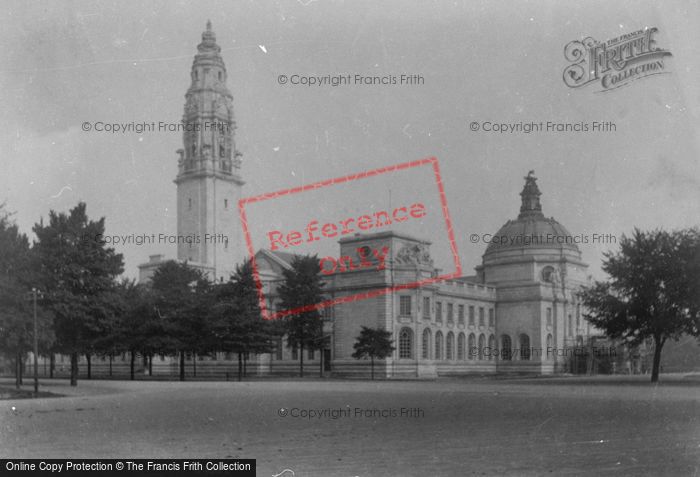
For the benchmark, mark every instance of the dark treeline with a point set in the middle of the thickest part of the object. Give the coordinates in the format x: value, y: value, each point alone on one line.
x: 85, y: 309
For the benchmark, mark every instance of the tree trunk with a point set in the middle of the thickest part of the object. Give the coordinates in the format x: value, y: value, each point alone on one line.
x: 21, y: 368
x: 89, y: 365
x: 110, y: 365
x: 658, y: 344
x: 150, y: 364
x: 301, y: 360
x: 74, y: 369
x: 132, y: 364
x: 320, y: 363
x: 245, y: 364
x: 371, y: 360
x: 194, y: 364
x: 182, y: 365
x: 240, y: 366
x: 17, y: 372
x: 52, y: 365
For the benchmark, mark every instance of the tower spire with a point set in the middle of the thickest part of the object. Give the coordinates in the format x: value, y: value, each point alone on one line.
x: 208, y: 180
x: 530, y: 197
x: 208, y: 139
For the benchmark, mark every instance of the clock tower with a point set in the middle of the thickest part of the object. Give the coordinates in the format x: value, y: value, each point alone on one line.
x: 208, y: 182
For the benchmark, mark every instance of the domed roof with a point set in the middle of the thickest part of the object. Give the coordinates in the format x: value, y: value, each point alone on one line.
x: 531, y: 230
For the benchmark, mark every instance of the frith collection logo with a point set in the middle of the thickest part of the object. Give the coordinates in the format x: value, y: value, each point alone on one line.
x: 615, y: 62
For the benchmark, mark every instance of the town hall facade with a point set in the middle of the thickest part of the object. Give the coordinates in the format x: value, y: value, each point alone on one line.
x: 515, y: 315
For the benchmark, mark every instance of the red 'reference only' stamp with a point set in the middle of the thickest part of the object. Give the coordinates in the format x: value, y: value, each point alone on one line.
x: 314, y: 230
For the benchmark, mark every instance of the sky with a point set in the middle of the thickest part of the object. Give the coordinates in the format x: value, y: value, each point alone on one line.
x: 70, y: 62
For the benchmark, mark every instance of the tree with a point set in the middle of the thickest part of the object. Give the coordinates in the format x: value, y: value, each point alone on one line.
x: 16, y: 281
x: 652, y: 291
x: 77, y: 272
x: 301, y: 289
x: 238, y: 323
x: 180, y: 293
x: 138, y: 329
x: 373, y: 343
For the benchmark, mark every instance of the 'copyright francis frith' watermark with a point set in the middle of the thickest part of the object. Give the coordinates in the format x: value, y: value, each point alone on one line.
x: 547, y: 353
x: 615, y: 62
x: 153, y: 239
x: 142, y: 127
x: 545, y: 127
x: 349, y: 79
x: 348, y: 412
x: 544, y: 239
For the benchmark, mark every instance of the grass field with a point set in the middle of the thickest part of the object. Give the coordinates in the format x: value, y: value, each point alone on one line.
x: 451, y: 427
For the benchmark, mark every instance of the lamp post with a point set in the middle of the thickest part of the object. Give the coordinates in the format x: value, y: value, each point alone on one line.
x: 36, y: 346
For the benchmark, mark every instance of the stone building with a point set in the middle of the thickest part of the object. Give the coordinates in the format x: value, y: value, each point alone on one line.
x: 518, y: 314
x: 512, y: 316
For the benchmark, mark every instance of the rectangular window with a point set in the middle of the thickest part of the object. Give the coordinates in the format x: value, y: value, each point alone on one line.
x: 549, y: 317
x: 295, y: 352
x: 450, y: 313
x: 438, y: 311
x: 426, y: 307
x: 578, y: 316
x: 481, y: 316
x: 492, y: 318
x: 405, y: 305
x: 311, y: 353
x: 471, y: 315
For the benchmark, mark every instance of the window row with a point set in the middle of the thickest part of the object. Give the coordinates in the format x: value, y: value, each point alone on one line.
x: 444, y: 347
x: 570, y: 321
x: 405, y: 309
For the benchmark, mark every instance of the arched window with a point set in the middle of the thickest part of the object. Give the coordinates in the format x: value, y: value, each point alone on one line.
x: 426, y: 343
x: 405, y: 343
x: 472, y: 346
x: 482, y: 344
x: 438, y: 345
x: 524, y: 347
x: 549, y: 351
x: 450, y: 346
x: 461, y: 342
x: 492, y: 347
x: 506, y: 346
